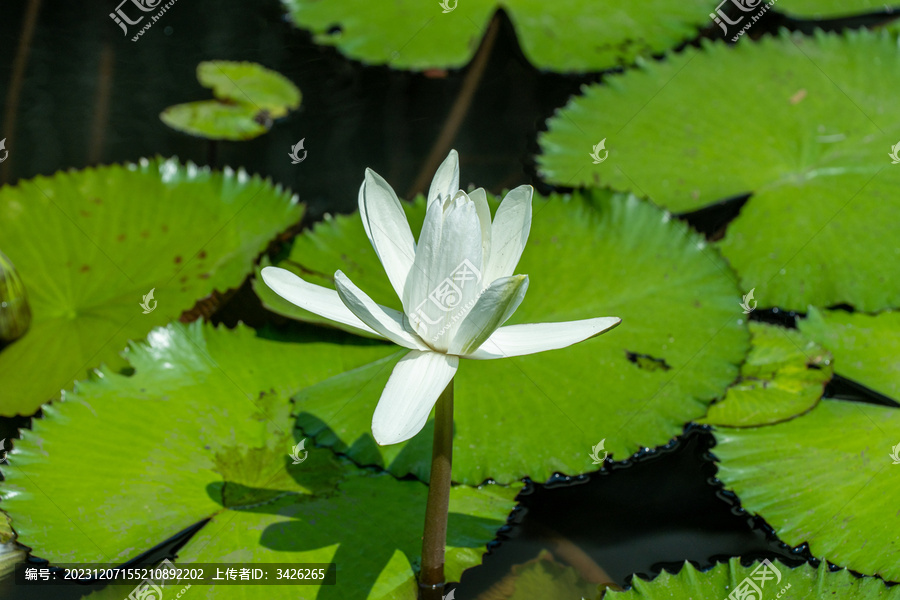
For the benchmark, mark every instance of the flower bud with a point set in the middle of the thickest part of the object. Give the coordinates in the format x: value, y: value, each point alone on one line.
x: 15, y: 316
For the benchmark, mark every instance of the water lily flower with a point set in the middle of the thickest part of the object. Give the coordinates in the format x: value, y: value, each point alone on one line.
x: 456, y: 286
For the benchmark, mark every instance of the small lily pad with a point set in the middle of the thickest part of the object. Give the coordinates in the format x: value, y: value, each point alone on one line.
x: 826, y: 478
x: 774, y: 580
x: 784, y: 376
x: 215, y: 120
x: 587, y: 256
x: 107, y: 254
x: 566, y: 35
x: 866, y: 348
x: 249, y: 97
x: 250, y: 83
x: 816, y: 117
x: 202, y: 430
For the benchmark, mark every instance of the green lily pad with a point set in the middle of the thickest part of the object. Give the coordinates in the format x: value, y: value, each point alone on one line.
x: 826, y: 478
x: 587, y: 256
x: 829, y: 9
x: 568, y: 35
x: 202, y: 430
x: 90, y: 245
x: 539, y: 579
x: 802, y: 124
x: 866, y: 348
x: 250, y: 83
x: 720, y: 581
x: 784, y: 376
x: 249, y: 97
x: 215, y: 120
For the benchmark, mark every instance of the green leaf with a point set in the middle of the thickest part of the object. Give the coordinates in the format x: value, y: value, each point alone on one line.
x: 202, y: 430
x: 249, y: 98
x: 784, y: 375
x: 866, y: 348
x: 803, y: 124
x: 539, y: 579
x: 90, y: 245
x: 825, y: 478
x: 249, y: 83
x: 829, y: 9
x: 720, y: 581
x: 215, y: 120
x: 593, y: 256
x: 567, y: 35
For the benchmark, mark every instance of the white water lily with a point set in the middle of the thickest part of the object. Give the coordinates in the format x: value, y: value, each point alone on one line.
x: 456, y: 286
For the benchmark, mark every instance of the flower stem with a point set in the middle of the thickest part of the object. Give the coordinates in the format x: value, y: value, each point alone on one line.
x: 434, y: 540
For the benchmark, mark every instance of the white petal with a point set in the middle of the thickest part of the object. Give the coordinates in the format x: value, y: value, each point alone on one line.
x: 484, y: 219
x: 446, y: 180
x: 410, y: 393
x: 446, y: 275
x: 493, y: 308
x: 509, y: 232
x: 388, y: 230
x: 518, y: 340
x: 311, y: 297
x: 386, y: 321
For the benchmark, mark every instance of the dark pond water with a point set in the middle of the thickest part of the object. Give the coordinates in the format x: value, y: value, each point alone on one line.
x: 89, y: 95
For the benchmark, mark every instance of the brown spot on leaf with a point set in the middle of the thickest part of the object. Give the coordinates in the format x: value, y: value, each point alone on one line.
x: 800, y: 95
x: 97, y: 201
x: 202, y: 254
x: 84, y: 213
x: 120, y: 237
x: 145, y: 234
x: 177, y: 260
x: 203, y: 275
x: 85, y: 268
